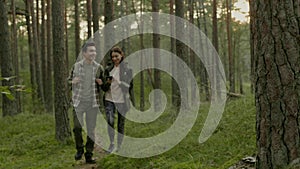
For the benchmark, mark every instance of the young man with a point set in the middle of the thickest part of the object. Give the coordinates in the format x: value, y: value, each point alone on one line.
x: 86, y: 80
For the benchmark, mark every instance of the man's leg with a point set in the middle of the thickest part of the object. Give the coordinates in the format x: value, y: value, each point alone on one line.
x: 77, y: 118
x: 91, y: 117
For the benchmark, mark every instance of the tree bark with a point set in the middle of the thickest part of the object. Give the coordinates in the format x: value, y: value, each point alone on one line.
x: 62, y: 126
x: 276, y: 52
x: 36, y: 52
x: 108, y: 17
x: 230, y: 57
x: 8, y: 106
x: 43, y: 50
x: 15, y: 55
x: 49, y: 60
x: 156, y: 45
x: 77, y: 29
x: 89, y: 17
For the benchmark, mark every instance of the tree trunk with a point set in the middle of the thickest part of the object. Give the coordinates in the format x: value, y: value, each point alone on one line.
x: 44, y: 50
x: 36, y: 52
x: 181, y: 99
x: 108, y: 35
x: 95, y: 18
x: 89, y: 17
x: 15, y: 55
x: 276, y: 45
x: 173, y: 51
x: 230, y: 57
x: 30, y: 48
x: 62, y: 130
x: 8, y: 106
x: 142, y: 84
x: 77, y: 29
x: 49, y: 77
x: 156, y: 45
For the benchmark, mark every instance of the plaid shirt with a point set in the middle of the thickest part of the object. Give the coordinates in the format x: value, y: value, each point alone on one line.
x: 78, y: 71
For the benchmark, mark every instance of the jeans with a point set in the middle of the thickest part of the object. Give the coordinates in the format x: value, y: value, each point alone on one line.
x: 110, y: 109
x: 90, y: 121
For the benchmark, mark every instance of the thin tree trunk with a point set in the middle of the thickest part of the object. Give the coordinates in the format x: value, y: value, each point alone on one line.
x: 181, y: 99
x: 142, y: 85
x: 108, y: 35
x: 44, y: 50
x: 173, y: 51
x: 36, y: 52
x: 15, y: 55
x: 31, y: 55
x: 49, y: 60
x: 62, y: 126
x: 77, y: 29
x: 8, y: 106
x: 156, y: 45
x: 230, y: 57
x: 89, y: 17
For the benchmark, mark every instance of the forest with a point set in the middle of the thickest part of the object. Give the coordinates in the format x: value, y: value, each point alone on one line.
x: 215, y: 84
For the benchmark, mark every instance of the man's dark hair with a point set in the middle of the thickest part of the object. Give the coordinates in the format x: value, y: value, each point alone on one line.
x: 86, y: 45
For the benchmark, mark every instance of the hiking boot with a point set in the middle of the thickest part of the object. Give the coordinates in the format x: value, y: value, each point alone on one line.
x: 89, y: 159
x: 78, y: 155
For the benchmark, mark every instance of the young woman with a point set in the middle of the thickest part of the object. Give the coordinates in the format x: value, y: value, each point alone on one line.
x: 118, y: 91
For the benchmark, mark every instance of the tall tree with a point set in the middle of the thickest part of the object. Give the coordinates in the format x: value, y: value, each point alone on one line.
x: 276, y: 43
x: 108, y: 17
x: 173, y: 51
x: 156, y: 45
x: 43, y: 48
x: 8, y: 105
x: 179, y: 12
x: 77, y: 29
x: 89, y: 17
x: 96, y: 14
x: 62, y: 126
x: 142, y: 84
x: 230, y: 57
x: 14, y: 53
x: 49, y: 77
x: 30, y: 46
x: 36, y: 52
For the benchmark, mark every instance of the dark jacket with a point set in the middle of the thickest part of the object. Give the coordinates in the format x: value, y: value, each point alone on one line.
x: 125, y: 79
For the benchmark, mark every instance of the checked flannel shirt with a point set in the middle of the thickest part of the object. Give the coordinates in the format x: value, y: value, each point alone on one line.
x: 78, y: 71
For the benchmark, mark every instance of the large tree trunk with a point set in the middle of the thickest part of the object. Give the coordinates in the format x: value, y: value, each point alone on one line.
x: 276, y: 45
x: 142, y: 84
x: 62, y: 126
x: 8, y: 106
x: 49, y: 77
x: 156, y: 45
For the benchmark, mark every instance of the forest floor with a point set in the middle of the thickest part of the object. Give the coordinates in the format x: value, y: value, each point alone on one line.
x: 28, y: 141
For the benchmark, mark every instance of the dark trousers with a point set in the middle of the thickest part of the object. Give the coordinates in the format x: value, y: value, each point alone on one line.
x: 90, y: 121
x: 110, y: 109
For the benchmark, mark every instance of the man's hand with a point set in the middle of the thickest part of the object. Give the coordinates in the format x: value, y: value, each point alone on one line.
x: 99, y: 81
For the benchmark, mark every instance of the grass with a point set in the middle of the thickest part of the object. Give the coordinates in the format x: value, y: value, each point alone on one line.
x: 28, y: 141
